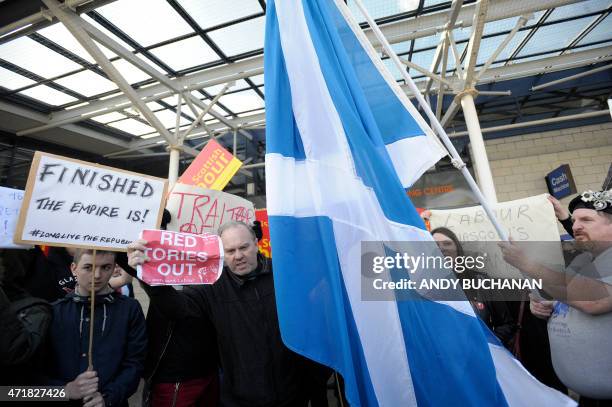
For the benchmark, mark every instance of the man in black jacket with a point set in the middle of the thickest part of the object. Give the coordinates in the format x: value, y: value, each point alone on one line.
x: 258, y: 370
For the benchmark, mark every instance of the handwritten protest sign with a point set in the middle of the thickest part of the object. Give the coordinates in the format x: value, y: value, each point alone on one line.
x: 181, y: 258
x: 264, y: 243
x: 10, y: 202
x: 529, y: 219
x: 69, y: 202
x: 198, y: 210
x: 213, y: 168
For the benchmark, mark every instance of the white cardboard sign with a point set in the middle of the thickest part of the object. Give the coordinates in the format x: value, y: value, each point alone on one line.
x: 529, y: 219
x: 199, y: 210
x: 75, y: 203
x: 10, y: 202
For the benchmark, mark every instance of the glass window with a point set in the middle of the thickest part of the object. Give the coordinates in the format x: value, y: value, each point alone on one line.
x: 108, y: 117
x: 401, y: 47
x: 130, y: 73
x: 240, y: 85
x: 508, y: 50
x: 146, y: 21
x: 105, y: 50
x: 12, y: 80
x: 257, y: 79
x: 548, y: 38
x: 253, y: 113
x: 392, y: 68
x: 600, y: 32
x: 241, y: 37
x: 427, y: 42
x: 87, y: 83
x: 62, y: 37
x: 578, y: 9
x: 132, y: 126
x: 209, y: 13
x: 48, y: 95
x: 429, y: 3
x: 422, y: 59
x: 242, y: 101
x: 383, y: 8
x: 186, y: 54
x: 168, y: 118
x: 36, y: 58
x: 506, y: 24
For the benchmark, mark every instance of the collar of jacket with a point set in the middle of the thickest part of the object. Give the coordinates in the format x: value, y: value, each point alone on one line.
x: 263, y: 267
x: 104, y: 298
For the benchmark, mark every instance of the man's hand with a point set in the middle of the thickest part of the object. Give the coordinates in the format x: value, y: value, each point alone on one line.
x: 541, y: 308
x: 515, y: 256
x: 136, y: 253
x: 84, y: 385
x: 560, y: 211
x: 95, y: 400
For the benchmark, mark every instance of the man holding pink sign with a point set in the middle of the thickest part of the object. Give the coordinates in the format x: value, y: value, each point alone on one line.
x: 257, y: 368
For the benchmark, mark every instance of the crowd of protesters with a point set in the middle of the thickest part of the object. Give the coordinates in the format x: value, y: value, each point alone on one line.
x: 220, y: 344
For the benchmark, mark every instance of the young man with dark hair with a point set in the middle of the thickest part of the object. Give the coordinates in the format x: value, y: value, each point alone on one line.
x: 119, y: 337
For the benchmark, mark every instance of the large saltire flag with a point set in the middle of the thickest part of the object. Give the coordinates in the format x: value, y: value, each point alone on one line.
x: 342, y: 143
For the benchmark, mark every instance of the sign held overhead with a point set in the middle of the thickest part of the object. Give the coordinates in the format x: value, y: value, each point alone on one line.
x: 70, y: 202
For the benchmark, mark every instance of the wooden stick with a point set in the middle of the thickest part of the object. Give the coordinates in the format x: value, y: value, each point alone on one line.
x: 92, y: 298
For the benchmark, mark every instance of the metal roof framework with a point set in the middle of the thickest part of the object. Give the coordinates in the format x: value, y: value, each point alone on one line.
x: 132, y: 76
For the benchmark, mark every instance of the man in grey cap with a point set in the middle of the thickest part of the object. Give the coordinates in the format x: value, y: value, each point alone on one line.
x: 580, y: 320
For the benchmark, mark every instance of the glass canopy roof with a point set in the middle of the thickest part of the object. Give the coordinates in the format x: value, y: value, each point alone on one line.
x: 49, y: 71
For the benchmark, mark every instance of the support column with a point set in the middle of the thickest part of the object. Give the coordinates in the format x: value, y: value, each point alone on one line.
x: 481, y: 161
x: 173, y: 167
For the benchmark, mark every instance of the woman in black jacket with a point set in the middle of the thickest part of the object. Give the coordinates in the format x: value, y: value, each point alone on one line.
x: 495, y: 314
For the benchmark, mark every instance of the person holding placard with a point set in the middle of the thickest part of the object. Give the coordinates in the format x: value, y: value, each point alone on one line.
x: 258, y: 369
x: 119, y: 337
x: 580, y: 320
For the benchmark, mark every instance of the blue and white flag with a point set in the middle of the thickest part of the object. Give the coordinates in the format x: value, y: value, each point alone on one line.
x: 343, y: 141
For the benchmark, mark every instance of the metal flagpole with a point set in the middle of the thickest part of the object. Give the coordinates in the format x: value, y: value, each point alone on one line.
x: 455, y: 158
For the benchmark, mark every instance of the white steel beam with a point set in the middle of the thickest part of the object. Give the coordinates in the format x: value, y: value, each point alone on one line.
x: 572, y: 77
x: 532, y: 123
x: 39, y: 117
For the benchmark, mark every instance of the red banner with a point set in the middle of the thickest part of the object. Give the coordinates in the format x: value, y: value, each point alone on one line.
x: 264, y: 243
x: 181, y: 258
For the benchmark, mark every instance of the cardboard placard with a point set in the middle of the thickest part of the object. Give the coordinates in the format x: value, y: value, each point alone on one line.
x: 529, y: 219
x: 10, y: 202
x: 75, y: 203
x: 198, y: 210
x: 213, y: 168
x: 181, y: 258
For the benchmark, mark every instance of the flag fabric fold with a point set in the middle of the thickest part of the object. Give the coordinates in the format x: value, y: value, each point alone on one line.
x: 342, y: 143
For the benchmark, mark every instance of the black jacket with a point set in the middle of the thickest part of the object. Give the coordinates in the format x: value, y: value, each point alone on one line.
x: 257, y: 368
x: 178, y: 349
x: 24, y: 323
x: 495, y: 313
x: 119, y: 344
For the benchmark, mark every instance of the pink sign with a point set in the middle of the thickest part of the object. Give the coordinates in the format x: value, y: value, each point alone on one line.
x: 181, y: 258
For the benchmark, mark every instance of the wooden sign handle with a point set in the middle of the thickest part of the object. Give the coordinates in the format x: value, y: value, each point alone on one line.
x: 92, y: 304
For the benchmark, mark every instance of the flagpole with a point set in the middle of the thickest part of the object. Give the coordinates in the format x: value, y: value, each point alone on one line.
x: 455, y: 157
